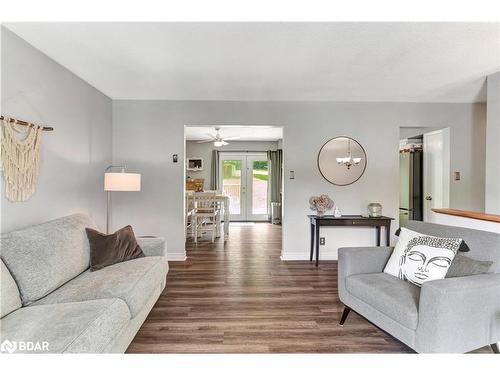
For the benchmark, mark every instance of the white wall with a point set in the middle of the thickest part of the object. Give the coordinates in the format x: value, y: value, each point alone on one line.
x: 147, y: 133
x: 492, y: 195
x: 74, y: 155
x: 204, y: 150
x: 465, y: 222
x: 411, y: 132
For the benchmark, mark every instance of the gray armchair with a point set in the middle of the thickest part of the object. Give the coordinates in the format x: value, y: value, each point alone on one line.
x: 453, y: 315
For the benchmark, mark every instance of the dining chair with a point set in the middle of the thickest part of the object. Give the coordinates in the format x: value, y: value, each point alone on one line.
x: 188, y: 217
x: 206, y: 215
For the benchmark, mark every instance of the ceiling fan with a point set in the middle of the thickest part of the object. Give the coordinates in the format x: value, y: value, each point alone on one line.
x: 217, y: 139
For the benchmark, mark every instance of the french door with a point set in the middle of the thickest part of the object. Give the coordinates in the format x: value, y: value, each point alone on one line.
x: 244, y: 178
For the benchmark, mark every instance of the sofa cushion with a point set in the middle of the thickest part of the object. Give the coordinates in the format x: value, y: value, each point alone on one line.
x: 133, y: 281
x: 391, y: 296
x: 81, y: 327
x: 10, y: 299
x: 43, y: 257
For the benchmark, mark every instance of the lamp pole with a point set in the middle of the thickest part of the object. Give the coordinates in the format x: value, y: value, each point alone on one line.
x: 108, y: 196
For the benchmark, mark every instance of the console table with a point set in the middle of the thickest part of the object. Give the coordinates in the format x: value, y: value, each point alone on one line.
x: 347, y: 221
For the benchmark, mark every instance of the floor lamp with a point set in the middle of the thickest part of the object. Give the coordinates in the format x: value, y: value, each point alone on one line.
x: 119, y: 181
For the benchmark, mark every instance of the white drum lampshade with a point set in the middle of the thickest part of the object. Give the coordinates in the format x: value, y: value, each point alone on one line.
x: 121, y: 181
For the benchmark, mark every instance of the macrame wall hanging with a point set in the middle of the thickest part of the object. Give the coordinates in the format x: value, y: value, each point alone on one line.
x: 20, y: 158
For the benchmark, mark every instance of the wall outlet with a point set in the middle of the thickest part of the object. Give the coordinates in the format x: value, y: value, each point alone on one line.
x: 322, y: 240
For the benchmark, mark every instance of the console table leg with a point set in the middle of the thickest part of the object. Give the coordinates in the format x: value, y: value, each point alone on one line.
x: 378, y: 235
x: 388, y: 234
x: 312, y: 243
x: 317, y: 244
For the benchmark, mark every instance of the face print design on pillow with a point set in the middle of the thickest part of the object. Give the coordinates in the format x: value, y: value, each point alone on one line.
x: 427, y: 258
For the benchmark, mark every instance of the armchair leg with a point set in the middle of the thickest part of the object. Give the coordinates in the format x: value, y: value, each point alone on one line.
x: 495, y: 348
x: 346, y: 312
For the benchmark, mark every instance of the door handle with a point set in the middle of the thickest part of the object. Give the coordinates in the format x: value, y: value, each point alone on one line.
x: 428, y: 198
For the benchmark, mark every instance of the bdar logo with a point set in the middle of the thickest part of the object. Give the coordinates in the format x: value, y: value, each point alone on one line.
x: 8, y: 346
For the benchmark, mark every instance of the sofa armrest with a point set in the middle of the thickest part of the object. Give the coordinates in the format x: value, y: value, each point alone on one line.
x: 458, y: 314
x: 359, y: 260
x: 152, y: 246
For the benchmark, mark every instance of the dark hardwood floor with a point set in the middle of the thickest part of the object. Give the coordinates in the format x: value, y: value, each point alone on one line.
x: 239, y: 297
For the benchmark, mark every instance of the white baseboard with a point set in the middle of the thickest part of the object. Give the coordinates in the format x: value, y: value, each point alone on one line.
x: 304, y: 256
x: 176, y: 257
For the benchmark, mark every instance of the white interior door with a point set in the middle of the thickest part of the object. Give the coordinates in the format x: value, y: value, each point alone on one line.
x: 436, y: 171
x: 244, y: 179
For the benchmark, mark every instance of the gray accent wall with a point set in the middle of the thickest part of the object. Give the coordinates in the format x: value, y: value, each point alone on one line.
x: 204, y: 150
x: 147, y: 133
x: 74, y: 156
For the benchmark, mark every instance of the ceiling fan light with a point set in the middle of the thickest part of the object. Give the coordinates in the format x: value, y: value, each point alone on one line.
x: 356, y: 160
x: 218, y: 143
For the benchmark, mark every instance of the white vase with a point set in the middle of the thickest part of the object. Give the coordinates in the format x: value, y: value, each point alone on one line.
x: 336, y: 212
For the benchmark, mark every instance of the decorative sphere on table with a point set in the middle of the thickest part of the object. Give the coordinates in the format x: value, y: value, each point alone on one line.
x: 320, y: 204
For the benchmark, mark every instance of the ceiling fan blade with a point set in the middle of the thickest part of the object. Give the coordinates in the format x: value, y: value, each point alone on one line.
x: 224, y: 143
x: 231, y: 138
x: 205, y: 141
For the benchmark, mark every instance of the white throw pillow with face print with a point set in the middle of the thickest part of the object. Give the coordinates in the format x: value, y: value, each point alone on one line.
x: 419, y: 258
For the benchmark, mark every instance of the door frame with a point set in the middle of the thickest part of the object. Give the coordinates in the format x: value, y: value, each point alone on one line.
x: 445, y: 182
x: 246, y: 187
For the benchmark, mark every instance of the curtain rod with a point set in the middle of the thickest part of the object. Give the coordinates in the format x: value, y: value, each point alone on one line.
x: 25, y: 123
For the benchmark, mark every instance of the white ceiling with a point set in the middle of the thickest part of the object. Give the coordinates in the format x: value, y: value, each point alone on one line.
x: 246, y: 133
x: 415, y: 62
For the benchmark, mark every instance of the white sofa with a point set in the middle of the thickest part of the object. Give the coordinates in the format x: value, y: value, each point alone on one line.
x: 50, y: 298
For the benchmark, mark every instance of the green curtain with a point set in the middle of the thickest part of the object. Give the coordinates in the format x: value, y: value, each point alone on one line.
x: 214, y: 171
x: 275, y: 159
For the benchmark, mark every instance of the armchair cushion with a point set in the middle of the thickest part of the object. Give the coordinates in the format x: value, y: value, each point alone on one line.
x: 359, y: 260
x: 393, y: 297
x: 465, y: 266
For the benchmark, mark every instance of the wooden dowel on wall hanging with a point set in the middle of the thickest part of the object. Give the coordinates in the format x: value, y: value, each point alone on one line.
x: 25, y: 123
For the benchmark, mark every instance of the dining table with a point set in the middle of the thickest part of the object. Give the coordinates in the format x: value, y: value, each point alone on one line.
x: 223, y: 199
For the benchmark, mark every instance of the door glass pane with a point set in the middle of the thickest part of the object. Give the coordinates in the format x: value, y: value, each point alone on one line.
x: 231, y: 184
x: 259, y: 187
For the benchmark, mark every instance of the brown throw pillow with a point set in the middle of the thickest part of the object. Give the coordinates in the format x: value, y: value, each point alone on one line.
x: 108, y: 249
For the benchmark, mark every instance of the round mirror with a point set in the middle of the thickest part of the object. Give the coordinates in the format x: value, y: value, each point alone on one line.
x: 342, y: 161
